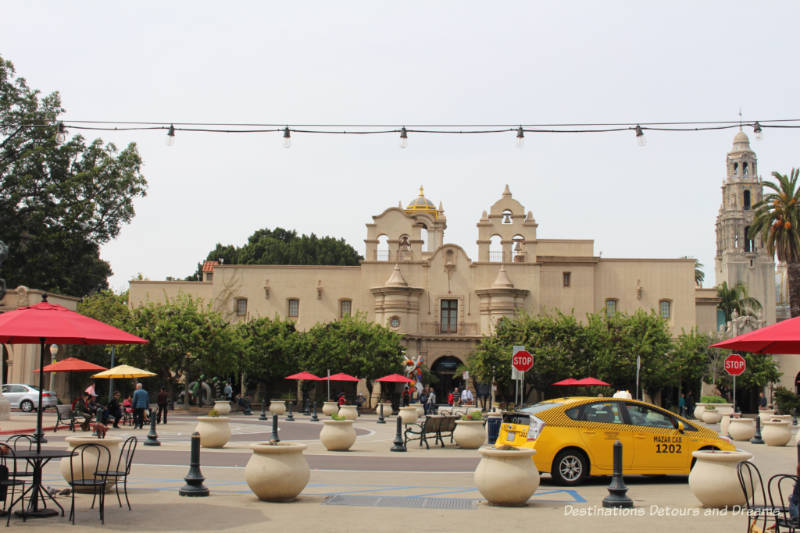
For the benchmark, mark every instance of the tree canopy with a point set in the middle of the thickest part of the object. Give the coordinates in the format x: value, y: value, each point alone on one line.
x: 283, y: 247
x: 58, y: 202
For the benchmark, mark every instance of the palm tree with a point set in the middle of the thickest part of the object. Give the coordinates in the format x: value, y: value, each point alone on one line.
x: 699, y: 275
x: 736, y: 299
x: 777, y: 220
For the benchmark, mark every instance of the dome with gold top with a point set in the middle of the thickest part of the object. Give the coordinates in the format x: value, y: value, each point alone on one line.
x: 420, y: 204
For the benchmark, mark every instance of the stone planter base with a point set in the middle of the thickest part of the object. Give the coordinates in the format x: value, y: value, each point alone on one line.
x: 112, y: 443
x: 506, y: 477
x: 223, y: 407
x: 277, y: 407
x: 469, y: 434
x: 215, y: 431
x: 409, y: 414
x: 776, y: 432
x: 350, y: 412
x: 714, y: 480
x: 277, y: 473
x: 337, y: 435
x: 742, y: 429
x: 711, y: 417
x: 328, y: 408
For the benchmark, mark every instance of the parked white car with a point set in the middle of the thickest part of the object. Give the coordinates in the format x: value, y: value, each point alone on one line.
x: 26, y: 397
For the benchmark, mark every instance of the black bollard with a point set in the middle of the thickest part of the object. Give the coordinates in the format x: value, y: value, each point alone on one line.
x: 757, y: 437
x: 314, y: 411
x: 306, y: 408
x: 263, y: 410
x: 290, y: 418
x: 194, y: 479
x: 152, y: 436
x: 399, y: 445
x: 381, y: 420
x: 617, y: 489
x: 275, y: 429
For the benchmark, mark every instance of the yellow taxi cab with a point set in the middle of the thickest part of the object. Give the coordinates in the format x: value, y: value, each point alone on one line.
x: 574, y: 437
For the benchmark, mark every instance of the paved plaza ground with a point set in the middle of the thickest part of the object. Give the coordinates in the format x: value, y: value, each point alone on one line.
x: 368, y: 488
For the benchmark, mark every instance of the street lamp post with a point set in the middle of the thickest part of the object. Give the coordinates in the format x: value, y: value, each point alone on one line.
x: 53, y: 354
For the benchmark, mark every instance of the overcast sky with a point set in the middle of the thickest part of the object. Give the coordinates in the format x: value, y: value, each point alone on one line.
x: 417, y: 63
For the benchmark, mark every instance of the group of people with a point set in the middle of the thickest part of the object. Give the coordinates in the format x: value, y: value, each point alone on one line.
x: 88, y: 406
x: 456, y: 398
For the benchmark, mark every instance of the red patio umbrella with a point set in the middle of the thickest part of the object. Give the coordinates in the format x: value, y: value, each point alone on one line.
x: 46, y: 323
x: 566, y: 382
x: 72, y: 364
x: 783, y: 337
x: 341, y: 376
x: 308, y: 376
x: 591, y: 382
x: 395, y: 378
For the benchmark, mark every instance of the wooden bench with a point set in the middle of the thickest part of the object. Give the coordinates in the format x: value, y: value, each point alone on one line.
x: 436, y: 425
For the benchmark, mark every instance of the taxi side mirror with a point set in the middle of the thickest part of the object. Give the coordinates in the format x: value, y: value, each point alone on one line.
x: 680, y: 426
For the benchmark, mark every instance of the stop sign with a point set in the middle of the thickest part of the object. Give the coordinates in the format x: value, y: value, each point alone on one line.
x: 735, y: 364
x: 522, y: 361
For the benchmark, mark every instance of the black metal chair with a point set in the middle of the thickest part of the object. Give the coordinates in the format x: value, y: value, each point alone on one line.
x: 10, y: 479
x: 758, y: 508
x: 123, y: 468
x: 26, y: 443
x: 781, y: 487
x: 85, y: 468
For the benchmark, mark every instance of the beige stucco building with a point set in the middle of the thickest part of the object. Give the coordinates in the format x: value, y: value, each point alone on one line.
x: 417, y: 284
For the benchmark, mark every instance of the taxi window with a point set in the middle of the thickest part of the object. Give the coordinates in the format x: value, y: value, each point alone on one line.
x: 600, y: 412
x: 642, y: 415
x: 539, y: 407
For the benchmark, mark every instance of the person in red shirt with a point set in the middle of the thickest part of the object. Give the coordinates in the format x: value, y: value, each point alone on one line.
x: 341, y: 400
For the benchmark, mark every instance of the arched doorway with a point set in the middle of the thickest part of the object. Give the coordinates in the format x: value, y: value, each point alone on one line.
x: 444, y: 368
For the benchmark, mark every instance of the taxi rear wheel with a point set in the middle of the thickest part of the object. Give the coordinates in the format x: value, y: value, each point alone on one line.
x: 570, y: 467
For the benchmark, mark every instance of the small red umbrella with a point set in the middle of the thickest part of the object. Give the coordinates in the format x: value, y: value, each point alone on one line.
x: 395, y: 378
x: 341, y: 376
x: 567, y: 382
x: 590, y: 382
x: 308, y: 376
x: 72, y: 364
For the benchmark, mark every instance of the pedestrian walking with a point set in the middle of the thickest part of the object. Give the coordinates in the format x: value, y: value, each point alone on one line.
x: 161, y: 400
x: 140, y: 403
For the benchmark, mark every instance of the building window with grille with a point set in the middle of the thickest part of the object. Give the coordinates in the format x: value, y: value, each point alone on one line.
x: 567, y: 278
x: 241, y: 306
x: 345, y: 308
x: 611, y: 307
x: 294, y: 307
x: 665, y: 309
x: 449, y: 316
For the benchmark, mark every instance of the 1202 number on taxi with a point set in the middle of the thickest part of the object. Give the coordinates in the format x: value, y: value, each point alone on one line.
x: 667, y: 444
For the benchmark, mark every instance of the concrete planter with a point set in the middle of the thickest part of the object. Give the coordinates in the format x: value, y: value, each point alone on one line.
x: 350, y: 412
x: 776, y: 432
x: 782, y: 418
x: 387, y: 408
x: 469, y: 434
x: 471, y: 410
x: 223, y: 407
x: 506, y: 477
x: 277, y: 407
x: 765, y: 415
x: 713, y: 479
x: 711, y: 417
x: 420, y: 409
x: 277, y: 472
x: 215, y: 431
x: 698, y: 410
x: 337, y: 435
x: 723, y: 425
x: 724, y: 408
x: 408, y: 414
x: 328, y: 408
x: 742, y: 429
x: 90, y: 458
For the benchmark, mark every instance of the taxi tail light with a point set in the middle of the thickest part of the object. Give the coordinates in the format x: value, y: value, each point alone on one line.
x: 535, y: 428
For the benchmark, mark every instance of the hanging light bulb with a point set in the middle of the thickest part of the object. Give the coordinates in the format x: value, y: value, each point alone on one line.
x: 61, y: 134
x: 520, y: 138
x: 287, y: 138
x: 640, y: 138
x: 403, y: 137
x: 171, y: 136
x: 757, y: 131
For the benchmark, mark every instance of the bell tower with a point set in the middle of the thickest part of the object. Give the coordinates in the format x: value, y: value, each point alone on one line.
x: 740, y: 257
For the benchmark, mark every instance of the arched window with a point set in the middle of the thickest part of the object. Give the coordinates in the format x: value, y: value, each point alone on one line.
x: 506, y: 216
x: 735, y: 169
x: 382, y: 253
x: 749, y: 244
x: 423, y: 235
x: 744, y: 168
x: 747, y: 199
x: 496, y: 249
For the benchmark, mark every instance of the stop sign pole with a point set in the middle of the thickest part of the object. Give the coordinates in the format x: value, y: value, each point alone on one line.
x: 735, y: 364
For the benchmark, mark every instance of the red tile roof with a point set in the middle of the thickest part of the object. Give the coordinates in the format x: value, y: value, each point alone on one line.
x: 208, y: 266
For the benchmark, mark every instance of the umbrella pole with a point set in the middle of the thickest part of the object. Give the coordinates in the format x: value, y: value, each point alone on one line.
x: 111, y: 381
x: 39, y: 436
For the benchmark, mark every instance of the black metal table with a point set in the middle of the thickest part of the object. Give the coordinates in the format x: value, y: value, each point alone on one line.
x: 35, y: 493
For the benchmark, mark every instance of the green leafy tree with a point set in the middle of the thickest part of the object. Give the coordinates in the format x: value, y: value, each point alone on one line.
x: 58, y: 203
x: 108, y: 307
x: 185, y: 335
x: 736, y: 299
x: 283, y: 247
x: 353, y: 345
x: 691, y: 358
x: 777, y: 221
x: 271, y: 349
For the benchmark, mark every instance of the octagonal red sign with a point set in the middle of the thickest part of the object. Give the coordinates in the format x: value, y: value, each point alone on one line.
x: 522, y: 361
x: 735, y: 364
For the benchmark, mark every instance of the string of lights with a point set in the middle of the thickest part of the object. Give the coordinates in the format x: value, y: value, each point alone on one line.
x: 403, y: 131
